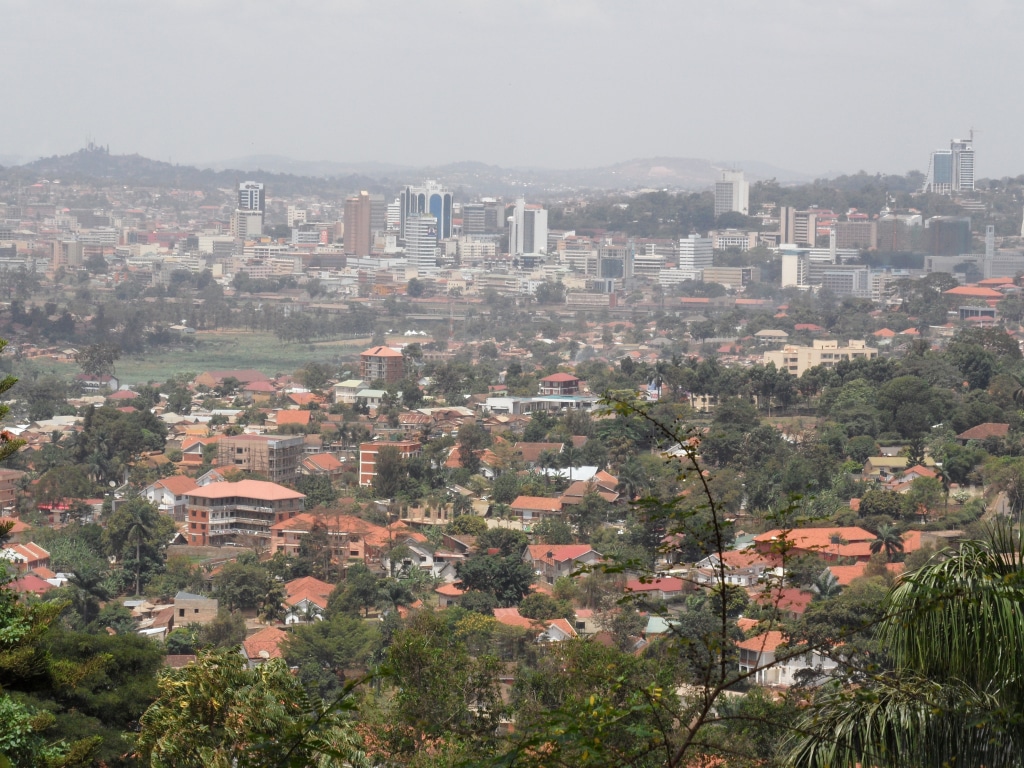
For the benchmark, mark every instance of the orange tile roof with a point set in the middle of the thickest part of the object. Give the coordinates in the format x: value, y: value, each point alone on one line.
x: 974, y: 291
x: 246, y: 489
x: 766, y: 642
x: 450, y: 590
x: 537, y: 503
x: 308, y: 588
x: 266, y: 640
x: 382, y: 352
x: 177, y: 484
x: 293, y: 417
x: 512, y: 618
x: 665, y: 584
x: 559, y: 553
x: 817, y: 538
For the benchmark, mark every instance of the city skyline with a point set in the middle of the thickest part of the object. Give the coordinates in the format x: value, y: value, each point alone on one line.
x: 646, y: 84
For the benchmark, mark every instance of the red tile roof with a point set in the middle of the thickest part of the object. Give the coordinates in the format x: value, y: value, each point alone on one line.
x: 559, y: 553
x: 665, y: 584
x: 766, y: 642
x: 382, y: 352
x: 293, y: 417
x: 511, y: 617
x: 986, y: 430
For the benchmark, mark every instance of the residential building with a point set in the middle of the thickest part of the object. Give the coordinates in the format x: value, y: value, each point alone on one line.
x: 194, y: 609
x: 527, y: 229
x: 828, y: 544
x: 358, y: 232
x: 732, y: 193
x: 169, y: 495
x: 230, y: 513
x: 695, y: 253
x: 25, y: 557
x: 530, y: 509
x: 9, y: 483
x: 273, y: 456
x: 560, y: 384
x: 797, y: 359
x: 761, y: 656
x: 368, y: 456
x: 382, y: 364
x: 263, y: 646
x: 349, y: 537
x: 306, y: 598
x: 553, y: 561
x: 345, y: 391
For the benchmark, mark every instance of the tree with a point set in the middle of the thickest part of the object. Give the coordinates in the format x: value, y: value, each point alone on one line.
x: 138, y: 534
x: 826, y: 585
x: 358, y: 592
x: 953, y: 633
x: 98, y: 359
x: 235, y: 716
x: 889, y: 539
x: 9, y: 444
x: 507, y: 577
x: 389, y: 470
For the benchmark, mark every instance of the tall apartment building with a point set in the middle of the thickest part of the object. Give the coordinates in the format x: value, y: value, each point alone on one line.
x: 948, y: 235
x: 368, y: 456
x: 432, y: 199
x: 252, y: 196
x: 527, y: 229
x: 732, y: 193
x: 695, y: 253
x: 421, y: 242
x: 223, y: 513
x: 358, y: 227
x: 797, y: 359
x: 274, y: 456
x: 382, y: 363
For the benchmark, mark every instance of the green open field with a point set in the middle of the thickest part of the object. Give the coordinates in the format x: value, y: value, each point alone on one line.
x: 226, y: 350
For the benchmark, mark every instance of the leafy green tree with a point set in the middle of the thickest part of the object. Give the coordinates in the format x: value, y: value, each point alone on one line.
x: 508, y: 542
x: 358, y: 592
x: 323, y: 650
x: 234, y: 716
x: 508, y: 577
x: 952, y: 631
x: 98, y: 359
x: 9, y: 444
x: 319, y: 490
x: 138, y: 534
x: 389, y: 470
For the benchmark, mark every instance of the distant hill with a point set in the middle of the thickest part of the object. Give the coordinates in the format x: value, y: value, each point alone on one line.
x: 286, y: 176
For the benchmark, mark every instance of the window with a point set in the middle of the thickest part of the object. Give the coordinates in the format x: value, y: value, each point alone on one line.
x: 181, y: 611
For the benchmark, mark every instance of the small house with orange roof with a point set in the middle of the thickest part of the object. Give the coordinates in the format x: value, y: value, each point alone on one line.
x: 829, y: 544
x: 449, y: 595
x: 552, y: 561
x: 292, y: 417
x: 263, y: 646
x: 306, y: 598
x: 767, y: 656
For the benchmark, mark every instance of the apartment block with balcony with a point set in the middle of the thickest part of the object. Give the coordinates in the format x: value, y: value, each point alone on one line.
x: 826, y: 352
x: 274, y: 456
x: 231, y: 513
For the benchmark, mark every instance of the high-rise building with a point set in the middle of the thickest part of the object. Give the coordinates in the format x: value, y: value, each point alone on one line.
x: 695, y: 253
x: 732, y: 193
x: 948, y: 235
x: 473, y: 219
x: 794, y: 270
x: 247, y: 223
x: 358, y: 234
x: 431, y: 199
x: 963, y: 164
x: 797, y: 227
x: 952, y: 170
x: 421, y: 242
x: 378, y: 213
x: 527, y: 229
x: 251, y: 196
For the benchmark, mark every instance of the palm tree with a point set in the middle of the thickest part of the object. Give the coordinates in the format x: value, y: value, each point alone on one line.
x: 888, y: 539
x: 943, y: 476
x: 837, y: 540
x: 138, y: 532
x: 826, y: 585
x: 953, y: 690
x: 1018, y: 391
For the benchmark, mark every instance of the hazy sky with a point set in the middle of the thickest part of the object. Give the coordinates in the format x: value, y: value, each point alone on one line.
x: 812, y: 86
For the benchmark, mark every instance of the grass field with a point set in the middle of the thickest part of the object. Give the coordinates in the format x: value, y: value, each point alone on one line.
x: 226, y: 350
